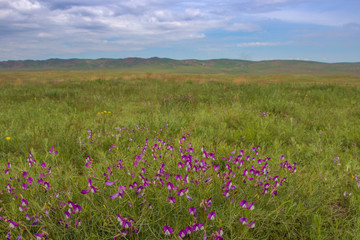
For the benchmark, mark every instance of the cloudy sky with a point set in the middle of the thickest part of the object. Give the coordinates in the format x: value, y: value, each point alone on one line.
x: 320, y: 30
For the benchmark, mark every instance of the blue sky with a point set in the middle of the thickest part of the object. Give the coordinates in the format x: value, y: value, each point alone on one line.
x: 318, y: 30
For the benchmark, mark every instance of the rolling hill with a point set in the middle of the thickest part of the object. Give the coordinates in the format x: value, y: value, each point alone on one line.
x: 167, y: 65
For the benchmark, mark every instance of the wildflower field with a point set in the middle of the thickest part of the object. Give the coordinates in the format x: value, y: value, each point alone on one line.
x: 114, y: 155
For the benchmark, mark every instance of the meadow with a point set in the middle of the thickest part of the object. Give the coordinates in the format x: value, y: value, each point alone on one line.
x: 121, y: 155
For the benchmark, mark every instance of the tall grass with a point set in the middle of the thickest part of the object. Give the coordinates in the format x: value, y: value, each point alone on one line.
x: 310, y: 124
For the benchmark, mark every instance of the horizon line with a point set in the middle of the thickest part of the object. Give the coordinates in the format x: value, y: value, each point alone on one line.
x: 189, y: 59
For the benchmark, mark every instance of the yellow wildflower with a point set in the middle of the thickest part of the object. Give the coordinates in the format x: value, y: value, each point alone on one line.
x: 8, y: 138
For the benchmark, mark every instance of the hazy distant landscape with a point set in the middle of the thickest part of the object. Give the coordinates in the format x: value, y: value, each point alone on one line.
x: 166, y: 65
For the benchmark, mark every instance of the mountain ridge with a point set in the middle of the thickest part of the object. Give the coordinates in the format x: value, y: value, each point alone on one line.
x: 168, y: 65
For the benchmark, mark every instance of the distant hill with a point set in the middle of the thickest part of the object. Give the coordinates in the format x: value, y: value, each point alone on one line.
x: 167, y: 65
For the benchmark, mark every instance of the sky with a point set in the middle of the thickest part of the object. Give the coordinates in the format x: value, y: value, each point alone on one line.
x: 316, y: 30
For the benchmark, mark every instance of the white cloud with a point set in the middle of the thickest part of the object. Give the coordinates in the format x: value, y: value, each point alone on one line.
x: 265, y: 2
x: 260, y: 44
x: 247, y: 27
x: 24, y: 5
x: 5, y: 13
x: 305, y: 16
x: 44, y: 35
x: 193, y: 12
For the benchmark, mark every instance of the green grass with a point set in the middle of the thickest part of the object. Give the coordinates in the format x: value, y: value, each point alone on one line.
x: 309, y: 119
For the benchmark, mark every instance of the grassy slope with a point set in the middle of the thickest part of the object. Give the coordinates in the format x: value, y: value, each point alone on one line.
x: 165, y: 65
x: 282, y: 118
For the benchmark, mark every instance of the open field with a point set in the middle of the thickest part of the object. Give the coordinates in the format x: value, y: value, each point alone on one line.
x: 164, y: 156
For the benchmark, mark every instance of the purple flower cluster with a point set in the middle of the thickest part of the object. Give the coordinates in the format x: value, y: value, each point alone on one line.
x: 128, y: 226
x: 168, y: 172
x: 53, y: 151
x: 191, y: 173
x: 24, y: 180
x: 91, y: 188
x: 31, y: 160
x: 287, y: 166
x: 7, y: 170
x: 72, y: 211
x: 337, y: 159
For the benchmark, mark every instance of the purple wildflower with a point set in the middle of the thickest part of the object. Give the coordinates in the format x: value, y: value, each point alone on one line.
x: 67, y: 215
x: 169, y: 186
x: 337, y: 160
x: 120, y: 193
x: 78, y: 222
x: 74, y: 208
x: 12, y: 224
x: 208, y: 202
x: 88, y: 161
x: 38, y: 236
x: 7, y: 170
x: 90, y: 189
x: 346, y: 194
x: 181, y: 192
x: 188, y: 197
x: 24, y: 202
x: 196, y: 227
x: 211, y: 216
x: 243, y: 220
x: 9, y: 188
x: 243, y: 203
x: 126, y: 224
x: 168, y: 230
x: 21, y: 208
x: 90, y: 132
x: 171, y: 200
x: 220, y: 232
x: 252, y: 224
x: 250, y: 206
x: 52, y: 151
x: 107, y: 183
x: 182, y: 233
x: 188, y: 230
x: 192, y: 210
x: 28, y: 218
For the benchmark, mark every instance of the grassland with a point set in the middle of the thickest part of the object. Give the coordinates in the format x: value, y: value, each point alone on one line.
x: 100, y: 122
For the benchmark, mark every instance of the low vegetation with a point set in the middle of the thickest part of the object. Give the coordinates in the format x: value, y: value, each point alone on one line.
x: 116, y: 155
